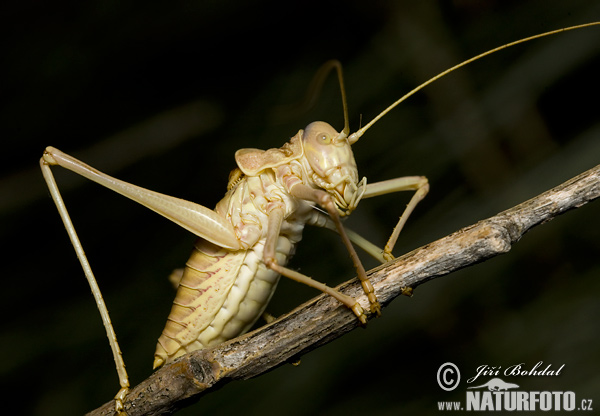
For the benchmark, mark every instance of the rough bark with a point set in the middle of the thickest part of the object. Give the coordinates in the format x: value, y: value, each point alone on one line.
x: 323, y: 319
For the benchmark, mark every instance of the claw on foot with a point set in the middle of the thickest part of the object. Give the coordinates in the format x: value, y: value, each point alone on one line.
x: 407, y: 291
x: 119, y: 401
x: 370, y: 291
x: 388, y: 256
x: 360, y: 313
x: 376, y: 308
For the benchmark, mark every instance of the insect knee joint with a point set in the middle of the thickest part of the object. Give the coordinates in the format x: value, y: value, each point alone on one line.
x: 326, y: 201
x: 271, y: 262
x: 48, y: 157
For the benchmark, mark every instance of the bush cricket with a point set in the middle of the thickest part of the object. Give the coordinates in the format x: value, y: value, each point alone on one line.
x: 246, y: 241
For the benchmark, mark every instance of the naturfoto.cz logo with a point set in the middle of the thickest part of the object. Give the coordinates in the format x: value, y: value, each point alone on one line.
x: 496, y: 394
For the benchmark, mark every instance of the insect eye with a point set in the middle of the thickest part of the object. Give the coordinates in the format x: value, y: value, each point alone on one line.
x: 324, y: 138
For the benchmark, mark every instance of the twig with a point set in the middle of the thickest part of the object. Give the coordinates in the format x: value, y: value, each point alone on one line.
x: 323, y: 319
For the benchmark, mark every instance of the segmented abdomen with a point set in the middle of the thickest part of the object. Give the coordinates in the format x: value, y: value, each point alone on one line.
x: 221, y: 295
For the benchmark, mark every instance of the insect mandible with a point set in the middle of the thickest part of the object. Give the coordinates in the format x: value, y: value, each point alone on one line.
x: 246, y: 241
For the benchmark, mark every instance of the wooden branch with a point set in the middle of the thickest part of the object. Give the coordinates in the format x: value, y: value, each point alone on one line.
x: 323, y: 319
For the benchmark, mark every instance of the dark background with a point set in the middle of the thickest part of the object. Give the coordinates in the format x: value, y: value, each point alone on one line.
x: 161, y: 94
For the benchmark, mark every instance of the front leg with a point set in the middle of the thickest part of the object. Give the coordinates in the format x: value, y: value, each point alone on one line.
x: 325, y: 200
x: 274, y: 225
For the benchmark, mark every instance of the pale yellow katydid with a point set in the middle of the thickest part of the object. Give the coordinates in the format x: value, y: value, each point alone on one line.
x: 255, y: 227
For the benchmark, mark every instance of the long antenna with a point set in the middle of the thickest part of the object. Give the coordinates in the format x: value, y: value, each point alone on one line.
x: 314, y: 90
x: 353, y: 138
x: 338, y: 67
